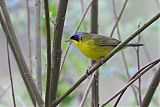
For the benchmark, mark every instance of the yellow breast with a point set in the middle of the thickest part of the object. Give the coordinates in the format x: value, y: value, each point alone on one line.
x: 93, y: 51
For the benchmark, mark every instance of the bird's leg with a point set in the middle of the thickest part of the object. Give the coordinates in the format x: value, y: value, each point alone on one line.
x: 87, y: 73
x: 89, y: 67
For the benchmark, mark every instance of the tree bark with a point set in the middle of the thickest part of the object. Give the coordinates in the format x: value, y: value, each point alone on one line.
x: 13, y: 42
x: 56, y: 52
x: 94, y: 29
x: 38, y: 47
x: 151, y: 90
x: 46, y: 8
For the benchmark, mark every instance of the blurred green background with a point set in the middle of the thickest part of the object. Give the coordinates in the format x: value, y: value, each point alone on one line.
x: 112, y: 74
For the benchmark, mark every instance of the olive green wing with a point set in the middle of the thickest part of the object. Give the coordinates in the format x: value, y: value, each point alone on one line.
x: 105, y: 41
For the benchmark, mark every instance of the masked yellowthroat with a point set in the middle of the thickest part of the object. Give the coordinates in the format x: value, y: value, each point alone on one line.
x: 95, y: 46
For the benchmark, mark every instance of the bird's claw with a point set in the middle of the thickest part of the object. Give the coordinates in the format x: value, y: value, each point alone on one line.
x: 87, y: 73
x: 102, y: 61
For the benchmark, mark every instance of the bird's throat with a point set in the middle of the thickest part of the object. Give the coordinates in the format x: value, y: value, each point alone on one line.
x: 75, y: 42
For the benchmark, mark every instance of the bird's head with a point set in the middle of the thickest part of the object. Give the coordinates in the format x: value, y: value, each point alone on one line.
x: 75, y: 38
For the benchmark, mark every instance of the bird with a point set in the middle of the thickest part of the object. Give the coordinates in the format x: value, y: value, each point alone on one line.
x: 95, y: 46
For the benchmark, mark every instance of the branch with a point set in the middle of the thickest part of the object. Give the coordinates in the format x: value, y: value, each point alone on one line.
x: 151, y: 90
x: 46, y: 8
x: 87, y: 90
x: 38, y: 47
x: 11, y: 37
x: 10, y: 74
x: 123, y: 56
x: 94, y: 29
x: 56, y: 52
x: 118, y: 18
x: 29, y: 36
x: 138, y: 66
x: 133, y: 79
x: 98, y: 64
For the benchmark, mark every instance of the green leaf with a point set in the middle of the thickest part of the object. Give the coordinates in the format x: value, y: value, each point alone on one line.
x: 52, y: 10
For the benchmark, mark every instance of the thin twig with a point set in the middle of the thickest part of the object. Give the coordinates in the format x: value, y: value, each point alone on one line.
x: 119, y: 37
x: 25, y: 73
x: 123, y: 56
x: 151, y: 90
x: 138, y: 65
x: 133, y: 79
x: 69, y: 45
x: 87, y: 90
x: 99, y: 63
x: 29, y: 35
x: 7, y: 34
x: 118, y: 18
x: 46, y: 8
x: 10, y: 75
x: 83, y: 16
x: 38, y: 47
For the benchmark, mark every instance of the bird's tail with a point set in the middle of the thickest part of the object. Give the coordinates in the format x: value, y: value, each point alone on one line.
x: 134, y: 45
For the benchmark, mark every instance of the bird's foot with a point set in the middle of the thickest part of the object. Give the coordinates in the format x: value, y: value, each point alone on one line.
x: 102, y: 61
x: 90, y: 66
x: 87, y: 73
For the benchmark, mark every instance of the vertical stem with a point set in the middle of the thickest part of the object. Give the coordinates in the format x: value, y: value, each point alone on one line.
x: 29, y: 41
x: 46, y: 7
x: 139, y: 80
x: 38, y: 47
x: 29, y: 36
x: 87, y: 90
x: 94, y: 29
x: 10, y: 74
x: 118, y: 18
x: 95, y: 90
x: 13, y: 42
x: 123, y: 56
x: 151, y: 90
x: 56, y: 52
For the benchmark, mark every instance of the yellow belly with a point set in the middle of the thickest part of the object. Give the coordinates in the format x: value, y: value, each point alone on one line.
x: 93, y: 51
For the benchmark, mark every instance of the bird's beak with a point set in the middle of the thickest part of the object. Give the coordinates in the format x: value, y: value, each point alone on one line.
x: 67, y: 40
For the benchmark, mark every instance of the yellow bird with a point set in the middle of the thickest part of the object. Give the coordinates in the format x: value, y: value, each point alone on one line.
x: 95, y: 46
